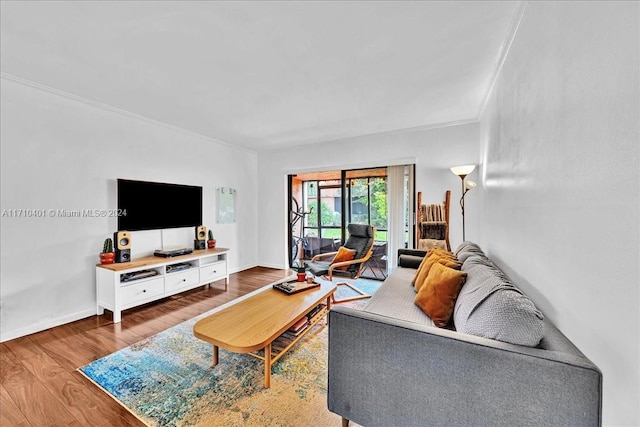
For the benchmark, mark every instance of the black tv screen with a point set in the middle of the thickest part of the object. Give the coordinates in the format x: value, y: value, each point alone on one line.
x: 146, y: 205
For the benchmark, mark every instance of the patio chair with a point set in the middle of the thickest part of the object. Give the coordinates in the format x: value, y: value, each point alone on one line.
x: 360, y: 241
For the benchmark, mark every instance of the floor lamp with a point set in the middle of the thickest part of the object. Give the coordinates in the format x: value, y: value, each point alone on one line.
x: 462, y: 172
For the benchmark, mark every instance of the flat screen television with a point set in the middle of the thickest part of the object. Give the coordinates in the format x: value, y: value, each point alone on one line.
x: 146, y: 205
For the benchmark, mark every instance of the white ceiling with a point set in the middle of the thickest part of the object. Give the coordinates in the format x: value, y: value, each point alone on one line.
x: 265, y: 75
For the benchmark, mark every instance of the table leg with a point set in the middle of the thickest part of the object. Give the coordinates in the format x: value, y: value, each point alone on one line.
x: 267, y: 366
x: 215, y: 355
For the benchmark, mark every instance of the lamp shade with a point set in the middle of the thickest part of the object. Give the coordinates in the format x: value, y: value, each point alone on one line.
x: 463, y: 170
x: 469, y: 185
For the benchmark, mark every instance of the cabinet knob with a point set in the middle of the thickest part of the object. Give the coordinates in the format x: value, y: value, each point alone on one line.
x: 144, y: 290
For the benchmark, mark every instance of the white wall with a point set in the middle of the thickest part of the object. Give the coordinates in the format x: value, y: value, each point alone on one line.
x: 59, y: 152
x: 560, y: 184
x: 433, y: 151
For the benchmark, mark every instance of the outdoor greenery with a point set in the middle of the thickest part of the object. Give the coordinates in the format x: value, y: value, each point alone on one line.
x: 328, y: 217
x: 334, y: 233
x: 362, y: 191
x: 378, y: 195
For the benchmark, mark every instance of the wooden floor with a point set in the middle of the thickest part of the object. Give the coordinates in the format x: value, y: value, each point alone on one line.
x: 39, y: 384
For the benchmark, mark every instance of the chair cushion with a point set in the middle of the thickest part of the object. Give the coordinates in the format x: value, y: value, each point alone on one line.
x: 318, y: 268
x: 360, y: 240
x: 360, y: 230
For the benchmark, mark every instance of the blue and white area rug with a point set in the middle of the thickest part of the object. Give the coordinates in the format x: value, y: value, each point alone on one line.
x: 168, y: 380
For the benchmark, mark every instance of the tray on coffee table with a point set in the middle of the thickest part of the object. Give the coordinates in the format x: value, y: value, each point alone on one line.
x: 294, y: 287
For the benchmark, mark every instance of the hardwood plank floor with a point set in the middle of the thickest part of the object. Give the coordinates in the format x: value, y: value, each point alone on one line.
x: 39, y: 385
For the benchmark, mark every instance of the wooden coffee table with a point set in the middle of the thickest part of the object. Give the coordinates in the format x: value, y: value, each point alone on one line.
x: 254, y: 323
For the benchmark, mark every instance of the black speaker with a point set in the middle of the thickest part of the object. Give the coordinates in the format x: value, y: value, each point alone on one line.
x: 122, y: 245
x: 199, y: 244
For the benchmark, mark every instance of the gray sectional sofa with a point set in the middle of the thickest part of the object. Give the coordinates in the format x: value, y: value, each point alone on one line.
x: 498, y: 363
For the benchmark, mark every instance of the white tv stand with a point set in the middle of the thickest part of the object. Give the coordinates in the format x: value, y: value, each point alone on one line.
x: 206, y: 266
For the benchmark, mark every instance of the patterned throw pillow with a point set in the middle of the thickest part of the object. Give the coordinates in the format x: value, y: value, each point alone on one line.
x: 506, y: 315
x: 490, y: 306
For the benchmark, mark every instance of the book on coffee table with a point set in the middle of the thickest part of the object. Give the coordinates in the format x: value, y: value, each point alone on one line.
x: 294, y: 287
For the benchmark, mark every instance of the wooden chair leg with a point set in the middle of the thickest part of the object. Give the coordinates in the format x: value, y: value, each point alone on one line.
x: 345, y: 422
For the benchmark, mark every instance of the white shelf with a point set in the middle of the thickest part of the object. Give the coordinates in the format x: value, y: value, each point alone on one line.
x: 207, y: 266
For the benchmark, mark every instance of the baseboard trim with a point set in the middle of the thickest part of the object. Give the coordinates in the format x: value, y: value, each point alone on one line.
x: 277, y: 267
x: 42, y: 326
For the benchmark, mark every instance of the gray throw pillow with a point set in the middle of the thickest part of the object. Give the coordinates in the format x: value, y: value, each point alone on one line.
x: 490, y: 306
x: 506, y: 315
x: 468, y: 249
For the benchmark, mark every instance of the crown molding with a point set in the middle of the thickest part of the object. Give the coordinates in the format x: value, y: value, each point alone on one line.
x: 502, y: 55
x: 392, y: 132
x: 116, y: 110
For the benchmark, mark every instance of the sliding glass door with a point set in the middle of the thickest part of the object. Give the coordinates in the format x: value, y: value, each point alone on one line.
x: 324, y: 203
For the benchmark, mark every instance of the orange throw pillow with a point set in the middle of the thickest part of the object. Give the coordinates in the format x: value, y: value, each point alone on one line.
x: 343, y: 254
x: 443, y: 253
x: 437, y: 297
x: 431, y: 260
x: 431, y: 252
x: 419, y: 269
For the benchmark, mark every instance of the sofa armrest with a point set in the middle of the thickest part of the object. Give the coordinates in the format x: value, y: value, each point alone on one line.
x: 384, y: 371
x: 410, y: 258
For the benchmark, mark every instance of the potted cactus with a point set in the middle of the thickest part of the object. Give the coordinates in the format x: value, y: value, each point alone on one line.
x: 107, y: 256
x: 211, y: 243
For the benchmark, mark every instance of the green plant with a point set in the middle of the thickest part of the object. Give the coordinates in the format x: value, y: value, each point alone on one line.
x: 211, y: 235
x: 299, y: 266
x: 108, y: 245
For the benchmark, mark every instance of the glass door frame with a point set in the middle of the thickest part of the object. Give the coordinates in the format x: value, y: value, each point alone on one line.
x: 346, y: 215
